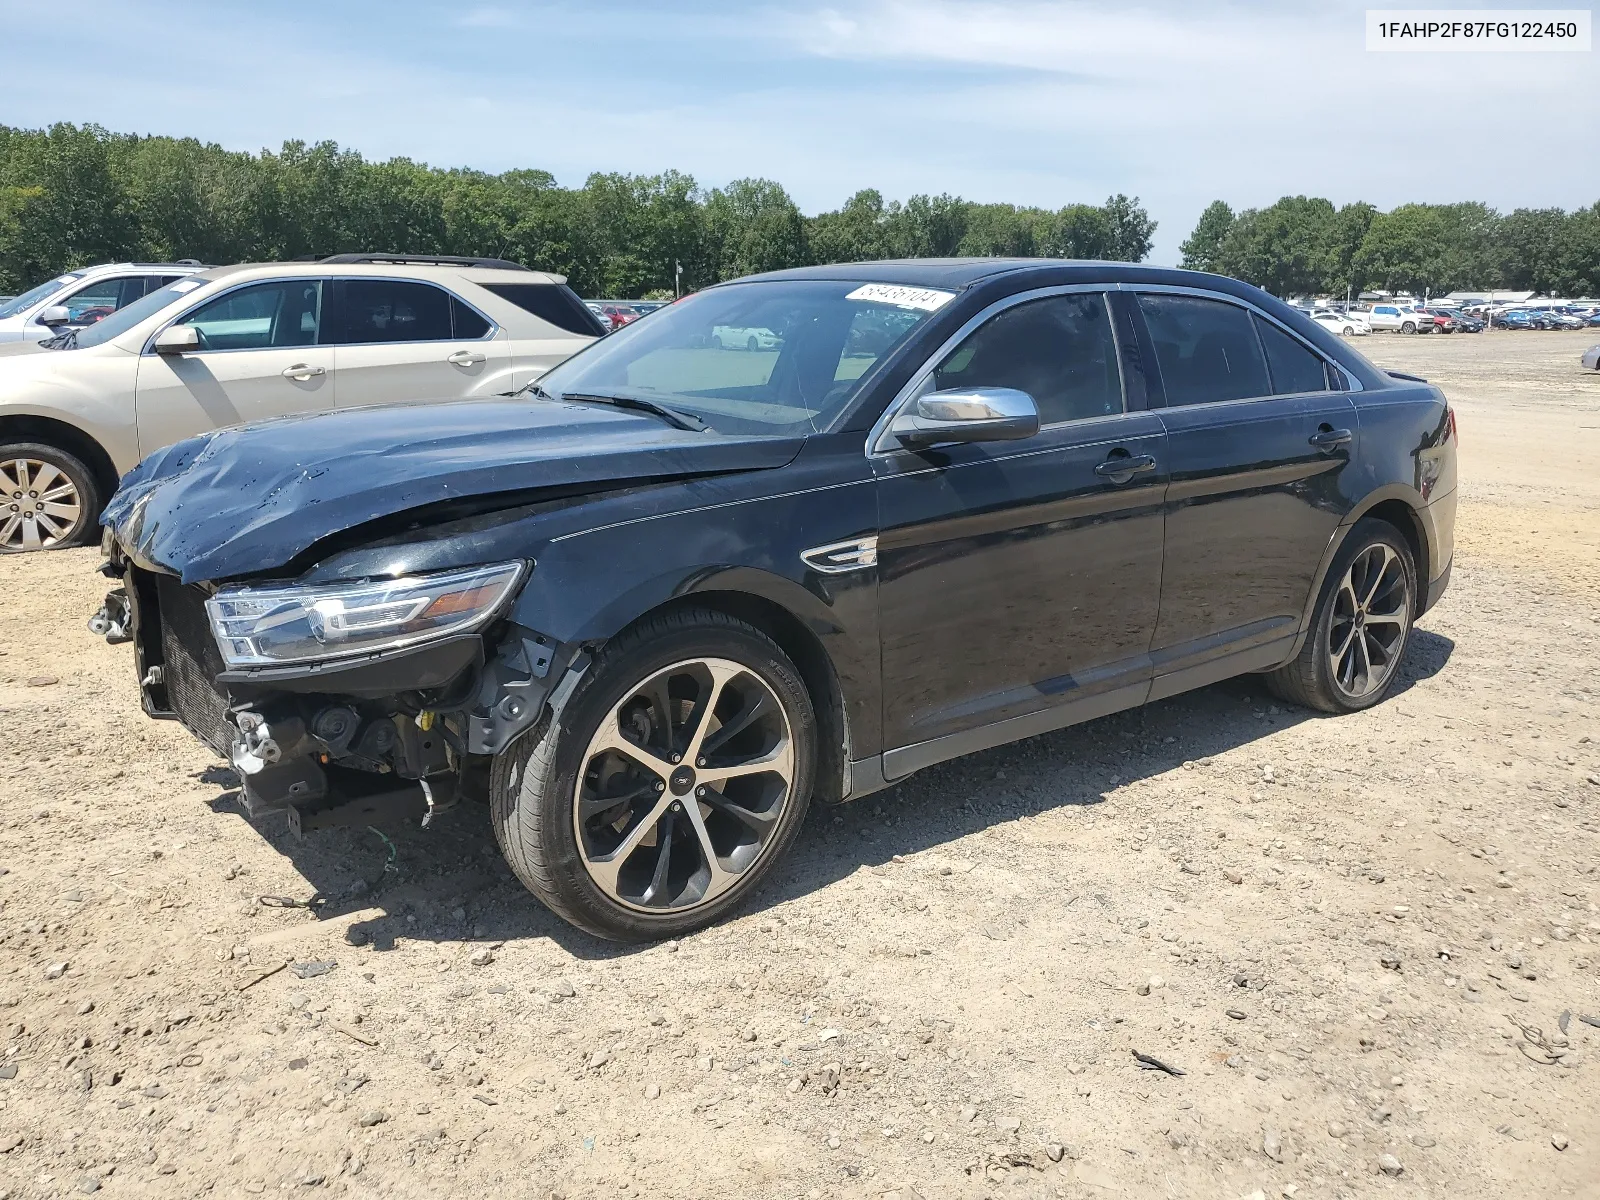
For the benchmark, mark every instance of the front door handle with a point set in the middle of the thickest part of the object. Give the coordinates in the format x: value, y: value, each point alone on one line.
x: 302, y: 372
x: 1120, y: 468
x: 1328, y: 438
x: 467, y: 358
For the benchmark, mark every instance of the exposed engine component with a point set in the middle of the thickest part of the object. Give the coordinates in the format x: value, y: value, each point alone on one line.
x: 113, y: 620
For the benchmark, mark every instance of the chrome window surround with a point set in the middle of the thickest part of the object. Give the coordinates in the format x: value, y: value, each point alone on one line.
x: 494, y: 326
x: 877, y: 437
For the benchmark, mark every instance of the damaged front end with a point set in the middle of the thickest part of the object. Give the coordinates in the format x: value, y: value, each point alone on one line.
x: 323, y: 696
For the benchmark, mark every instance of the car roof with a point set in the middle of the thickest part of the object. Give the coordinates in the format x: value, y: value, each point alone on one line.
x: 481, y: 275
x: 959, y: 273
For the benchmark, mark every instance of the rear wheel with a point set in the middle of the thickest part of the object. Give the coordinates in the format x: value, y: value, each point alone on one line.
x: 48, y: 499
x: 670, y: 784
x: 1361, y: 626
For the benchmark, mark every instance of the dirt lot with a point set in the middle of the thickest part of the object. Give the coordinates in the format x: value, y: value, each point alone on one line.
x: 1358, y: 937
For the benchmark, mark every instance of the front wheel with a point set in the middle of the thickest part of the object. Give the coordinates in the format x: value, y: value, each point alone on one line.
x: 48, y: 499
x: 1408, y: 327
x: 676, y: 776
x: 1360, y: 628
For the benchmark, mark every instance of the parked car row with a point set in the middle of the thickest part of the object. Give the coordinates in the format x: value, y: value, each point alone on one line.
x: 1534, y: 318
x: 184, y: 349
x: 614, y: 314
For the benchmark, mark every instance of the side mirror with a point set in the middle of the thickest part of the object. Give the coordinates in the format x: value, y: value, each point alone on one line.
x: 178, y: 339
x: 966, y: 415
x: 55, y: 315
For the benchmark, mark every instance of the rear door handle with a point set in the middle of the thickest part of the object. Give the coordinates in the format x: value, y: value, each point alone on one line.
x: 1120, y: 468
x: 303, y: 372
x: 1330, y: 439
x: 467, y: 358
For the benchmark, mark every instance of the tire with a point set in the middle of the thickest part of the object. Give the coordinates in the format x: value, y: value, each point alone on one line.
x: 1348, y: 331
x: 62, y: 511
x: 716, y: 343
x: 637, y: 870
x: 751, y: 344
x: 1408, y: 327
x: 1311, y: 679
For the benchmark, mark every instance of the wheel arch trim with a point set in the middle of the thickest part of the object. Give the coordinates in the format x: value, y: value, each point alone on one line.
x: 71, y: 439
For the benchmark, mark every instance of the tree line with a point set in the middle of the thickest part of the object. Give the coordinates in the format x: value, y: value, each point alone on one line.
x: 73, y: 195
x: 1303, y: 245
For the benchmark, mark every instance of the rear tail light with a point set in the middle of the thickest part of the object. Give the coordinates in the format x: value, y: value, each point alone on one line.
x: 1450, y: 434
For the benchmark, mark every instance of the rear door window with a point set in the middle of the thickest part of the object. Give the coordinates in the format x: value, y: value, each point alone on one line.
x: 1294, y: 368
x: 390, y: 310
x: 1207, y: 349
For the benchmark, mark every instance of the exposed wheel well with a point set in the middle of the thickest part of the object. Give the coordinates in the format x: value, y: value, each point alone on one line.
x: 805, y: 650
x: 71, y: 439
x: 1400, y: 514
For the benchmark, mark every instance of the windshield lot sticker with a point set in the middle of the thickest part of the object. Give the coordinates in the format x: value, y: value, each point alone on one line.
x: 187, y: 285
x: 926, y: 299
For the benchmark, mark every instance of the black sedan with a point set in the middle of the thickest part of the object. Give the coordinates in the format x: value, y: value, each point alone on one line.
x: 655, y: 605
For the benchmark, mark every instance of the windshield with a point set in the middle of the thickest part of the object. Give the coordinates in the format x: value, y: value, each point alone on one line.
x: 125, y: 318
x: 767, y: 358
x: 22, y: 303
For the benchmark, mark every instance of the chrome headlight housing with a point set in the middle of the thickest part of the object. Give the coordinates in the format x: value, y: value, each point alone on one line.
x: 277, y: 626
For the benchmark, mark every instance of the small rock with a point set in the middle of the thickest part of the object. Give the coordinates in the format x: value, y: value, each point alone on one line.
x: 373, y: 1116
x: 1236, y: 1013
x: 88, y: 1183
x: 482, y: 958
x: 86, y: 1008
x: 1423, y: 1140
x: 1559, y: 1141
x: 1008, y: 1124
x: 1390, y: 1166
x: 8, y: 1070
x: 43, y: 681
x: 1271, y: 1145
x: 1389, y: 962
x: 1177, y: 1139
x: 55, y: 970
x: 652, y: 1091
x: 563, y: 987
x: 356, y: 936
x: 1233, y: 877
x: 1054, y: 1151
x: 1337, y: 1129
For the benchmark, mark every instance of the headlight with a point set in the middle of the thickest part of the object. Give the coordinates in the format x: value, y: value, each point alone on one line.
x: 263, y: 627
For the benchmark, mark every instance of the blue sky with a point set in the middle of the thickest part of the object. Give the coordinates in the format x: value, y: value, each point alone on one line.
x: 1027, y: 102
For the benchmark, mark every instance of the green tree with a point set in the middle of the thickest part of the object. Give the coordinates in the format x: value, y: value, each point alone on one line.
x: 1131, y: 229
x: 1202, y: 250
x: 752, y: 226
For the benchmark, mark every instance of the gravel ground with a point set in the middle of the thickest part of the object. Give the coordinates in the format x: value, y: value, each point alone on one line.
x: 1369, y: 943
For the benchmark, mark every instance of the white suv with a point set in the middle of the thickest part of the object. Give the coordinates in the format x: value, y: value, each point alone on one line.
x: 82, y: 297
x: 1402, y: 318
x: 235, y: 344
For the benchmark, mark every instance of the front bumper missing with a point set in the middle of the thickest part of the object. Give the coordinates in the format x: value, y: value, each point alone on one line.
x: 412, y: 727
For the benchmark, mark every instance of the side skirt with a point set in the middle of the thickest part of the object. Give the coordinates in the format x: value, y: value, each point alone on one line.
x: 868, y: 775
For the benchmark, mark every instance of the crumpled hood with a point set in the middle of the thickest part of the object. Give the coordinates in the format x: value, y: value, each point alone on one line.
x: 249, y: 499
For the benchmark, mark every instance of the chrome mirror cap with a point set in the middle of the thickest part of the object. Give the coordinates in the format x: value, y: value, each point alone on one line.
x: 56, y: 314
x: 966, y: 415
